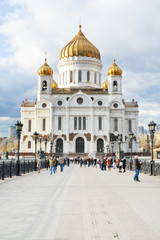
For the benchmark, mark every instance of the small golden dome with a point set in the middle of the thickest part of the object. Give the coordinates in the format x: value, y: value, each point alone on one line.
x: 45, y: 69
x: 79, y: 46
x: 54, y: 84
x: 105, y: 84
x: 114, y: 70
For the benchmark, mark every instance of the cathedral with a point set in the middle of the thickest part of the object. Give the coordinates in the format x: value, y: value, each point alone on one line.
x: 79, y: 115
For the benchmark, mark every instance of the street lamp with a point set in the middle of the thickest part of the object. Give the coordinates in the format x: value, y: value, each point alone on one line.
x: 45, y: 144
x: 152, y: 126
x: 131, y: 136
x: 119, y: 142
x: 18, y: 126
x: 112, y: 145
x: 35, y: 134
x: 51, y: 146
x: 40, y: 140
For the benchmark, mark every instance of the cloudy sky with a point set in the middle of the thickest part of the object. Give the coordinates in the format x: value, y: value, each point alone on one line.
x: 130, y: 28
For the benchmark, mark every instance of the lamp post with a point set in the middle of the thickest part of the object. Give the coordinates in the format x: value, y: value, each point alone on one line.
x: 51, y: 146
x: 18, y: 126
x: 131, y: 136
x: 119, y: 142
x: 35, y: 134
x: 45, y: 144
x: 112, y: 145
x: 152, y: 126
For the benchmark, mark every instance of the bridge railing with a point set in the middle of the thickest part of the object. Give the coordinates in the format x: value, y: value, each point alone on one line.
x: 10, y: 168
x: 147, y: 167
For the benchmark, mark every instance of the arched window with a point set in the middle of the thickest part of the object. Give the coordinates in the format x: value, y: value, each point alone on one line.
x: 115, y: 86
x: 44, y: 85
x: 59, y: 123
x: 84, y: 123
x: 29, y: 125
x: 100, y: 145
x: 100, y: 123
x: 80, y: 124
x: 44, y: 124
x: 70, y: 76
x: 29, y: 144
x: 75, y: 123
x: 88, y: 76
x: 95, y: 77
x: 59, y: 146
x: 115, y: 124
x: 130, y: 125
x: 79, y: 76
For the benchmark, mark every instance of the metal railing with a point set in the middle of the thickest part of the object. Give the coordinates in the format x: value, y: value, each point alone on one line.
x: 147, y: 167
x: 10, y: 168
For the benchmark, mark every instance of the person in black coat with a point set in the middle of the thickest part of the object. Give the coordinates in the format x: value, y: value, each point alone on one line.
x: 124, y: 164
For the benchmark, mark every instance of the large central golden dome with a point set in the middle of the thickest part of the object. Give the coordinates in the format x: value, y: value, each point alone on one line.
x: 80, y: 46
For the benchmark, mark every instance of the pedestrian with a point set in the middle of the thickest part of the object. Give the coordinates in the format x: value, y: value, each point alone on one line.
x: 39, y: 164
x: 117, y: 163
x: 51, y: 164
x: 47, y: 163
x: 61, y: 163
x: 120, y: 165
x: 81, y: 162
x: 137, y: 165
x: 114, y: 165
x: 124, y: 164
x: 109, y: 164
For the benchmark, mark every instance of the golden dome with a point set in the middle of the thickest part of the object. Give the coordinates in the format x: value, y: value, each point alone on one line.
x: 54, y: 84
x: 45, y: 69
x: 105, y: 84
x: 114, y: 70
x: 80, y: 46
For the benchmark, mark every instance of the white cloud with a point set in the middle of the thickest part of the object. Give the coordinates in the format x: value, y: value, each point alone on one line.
x: 130, y: 28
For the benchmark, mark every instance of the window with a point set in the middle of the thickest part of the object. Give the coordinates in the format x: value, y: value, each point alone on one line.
x: 88, y: 76
x: 29, y: 125
x: 84, y: 123
x: 75, y: 123
x: 95, y: 78
x: 71, y: 75
x: 115, y: 86
x: 79, y: 76
x: 115, y: 124
x: 100, y: 123
x: 130, y: 125
x: 29, y: 144
x: 79, y: 121
x: 59, y: 123
x: 44, y: 125
x: 44, y: 85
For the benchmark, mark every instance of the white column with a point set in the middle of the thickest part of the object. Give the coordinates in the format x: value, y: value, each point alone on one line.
x: 51, y: 119
x: 123, y: 131
x: 67, y: 130
x: 92, y: 130
x: 108, y: 130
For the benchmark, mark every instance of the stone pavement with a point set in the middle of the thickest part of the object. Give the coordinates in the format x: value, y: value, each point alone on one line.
x: 80, y: 204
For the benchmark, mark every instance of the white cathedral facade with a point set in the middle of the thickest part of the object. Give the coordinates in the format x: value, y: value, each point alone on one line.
x: 79, y: 115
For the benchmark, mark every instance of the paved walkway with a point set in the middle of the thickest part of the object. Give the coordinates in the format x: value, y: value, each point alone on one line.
x: 80, y: 204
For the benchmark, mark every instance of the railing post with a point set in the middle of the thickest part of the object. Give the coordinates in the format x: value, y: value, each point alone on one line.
x: 10, y: 169
x: 3, y: 170
x: 28, y: 166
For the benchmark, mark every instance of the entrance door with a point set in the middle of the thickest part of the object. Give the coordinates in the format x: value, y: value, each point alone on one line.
x: 59, y: 146
x: 79, y: 145
x: 100, y: 146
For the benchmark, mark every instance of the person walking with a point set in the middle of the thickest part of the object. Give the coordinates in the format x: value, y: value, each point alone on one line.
x: 109, y: 164
x: 61, y: 163
x: 51, y: 165
x: 124, y: 164
x: 137, y: 165
x: 39, y: 165
x: 120, y: 165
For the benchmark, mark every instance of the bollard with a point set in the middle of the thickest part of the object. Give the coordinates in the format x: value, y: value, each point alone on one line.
x: 31, y: 166
x: 24, y: 167
x: 10, y: 172
x: 3, y: 170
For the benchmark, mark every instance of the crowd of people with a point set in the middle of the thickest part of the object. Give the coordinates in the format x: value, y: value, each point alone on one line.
x: 104, y: 164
